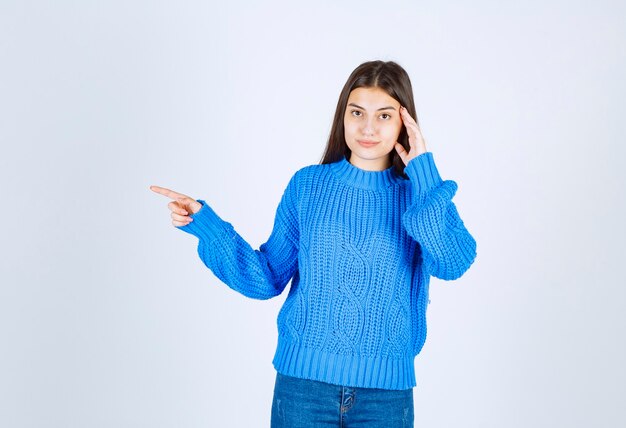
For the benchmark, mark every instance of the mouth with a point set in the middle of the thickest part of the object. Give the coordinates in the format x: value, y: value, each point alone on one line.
x: 367, y: 143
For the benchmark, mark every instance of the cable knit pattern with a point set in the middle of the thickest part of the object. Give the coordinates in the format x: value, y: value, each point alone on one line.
x: 359, y: 248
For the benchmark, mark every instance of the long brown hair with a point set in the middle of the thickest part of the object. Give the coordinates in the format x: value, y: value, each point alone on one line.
x: 388, y: 76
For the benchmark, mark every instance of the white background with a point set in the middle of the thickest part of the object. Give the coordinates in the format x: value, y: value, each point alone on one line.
x: 108, y: 318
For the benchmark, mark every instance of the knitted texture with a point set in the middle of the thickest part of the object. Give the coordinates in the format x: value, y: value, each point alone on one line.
x: 359, y: 248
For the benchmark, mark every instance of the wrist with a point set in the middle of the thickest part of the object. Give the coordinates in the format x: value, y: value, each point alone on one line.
x: 423, y: 172
x: 206, y: 224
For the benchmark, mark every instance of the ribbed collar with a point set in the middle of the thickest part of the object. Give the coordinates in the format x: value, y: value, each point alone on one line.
x: 357, y: 177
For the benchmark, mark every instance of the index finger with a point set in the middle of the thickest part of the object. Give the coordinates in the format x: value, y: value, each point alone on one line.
x: 407, y: 117
x: 167, y: 192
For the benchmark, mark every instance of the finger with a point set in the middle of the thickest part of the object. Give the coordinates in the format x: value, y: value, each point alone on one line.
x: 167, y: 192
x: 406, y: 116
x: 413, y: 137
x: 412, y: 128
x: 187, y: 202
x: 181, y: 218
x: 409, y: 123
x: 401, y: 152
x: 416, y: 139
x: 415, y: 134
x: 175, y: 206
x: 180, y: 223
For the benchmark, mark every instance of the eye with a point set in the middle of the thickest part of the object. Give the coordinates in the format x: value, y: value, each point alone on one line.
x: 385, y: 116
x: 356, y: 113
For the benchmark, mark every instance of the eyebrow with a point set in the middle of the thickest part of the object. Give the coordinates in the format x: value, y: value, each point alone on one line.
x: 383, y: 108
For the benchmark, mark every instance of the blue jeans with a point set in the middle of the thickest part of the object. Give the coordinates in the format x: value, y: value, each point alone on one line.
x: 302, y: 403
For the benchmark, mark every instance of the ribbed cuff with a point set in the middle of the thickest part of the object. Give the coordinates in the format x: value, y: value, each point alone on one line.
x: 206, y: 224
x: 423, y: 172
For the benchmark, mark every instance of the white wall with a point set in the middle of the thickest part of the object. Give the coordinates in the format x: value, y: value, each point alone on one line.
x: 109, y: 318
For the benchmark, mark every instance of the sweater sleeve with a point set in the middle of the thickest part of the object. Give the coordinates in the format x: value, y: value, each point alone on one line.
x: 257, y: 273
x: 448, y: 249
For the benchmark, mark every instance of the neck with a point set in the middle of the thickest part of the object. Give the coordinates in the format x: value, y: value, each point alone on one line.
x: 370, y: 165
x: 362, y: 178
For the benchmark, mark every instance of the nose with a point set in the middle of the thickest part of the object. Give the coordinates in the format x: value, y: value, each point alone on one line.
x: 368, y: 128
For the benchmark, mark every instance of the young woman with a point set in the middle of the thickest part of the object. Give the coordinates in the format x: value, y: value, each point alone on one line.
x: 358, y: 236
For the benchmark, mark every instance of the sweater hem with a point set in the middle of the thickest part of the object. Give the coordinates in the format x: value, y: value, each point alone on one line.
x: 355, y: 371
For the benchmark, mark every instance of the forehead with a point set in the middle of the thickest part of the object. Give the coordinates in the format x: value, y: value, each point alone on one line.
x: 371, y: 97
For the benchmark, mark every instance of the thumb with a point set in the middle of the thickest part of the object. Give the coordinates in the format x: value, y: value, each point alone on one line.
x: 401, y: 151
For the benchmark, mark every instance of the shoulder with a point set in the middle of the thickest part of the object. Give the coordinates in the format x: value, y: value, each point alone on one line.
x: 302, y: 175
x: 307, y: 172
x: 312, y: 169
x: 306, y: 177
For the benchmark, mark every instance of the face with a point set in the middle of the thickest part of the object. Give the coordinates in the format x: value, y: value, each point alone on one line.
x: 372, y: 125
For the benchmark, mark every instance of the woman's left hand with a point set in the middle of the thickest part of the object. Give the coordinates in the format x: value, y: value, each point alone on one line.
x: 416, y: 140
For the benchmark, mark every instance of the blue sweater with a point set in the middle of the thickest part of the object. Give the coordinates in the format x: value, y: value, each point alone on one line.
x: 359, y: 248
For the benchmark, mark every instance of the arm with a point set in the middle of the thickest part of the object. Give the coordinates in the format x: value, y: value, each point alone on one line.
x: 432, y: 219
x: 259, y: 274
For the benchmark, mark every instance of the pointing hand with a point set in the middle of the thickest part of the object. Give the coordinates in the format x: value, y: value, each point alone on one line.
x: 181, y: 205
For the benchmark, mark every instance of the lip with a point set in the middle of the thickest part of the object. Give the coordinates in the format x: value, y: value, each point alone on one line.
x: 367, y: 143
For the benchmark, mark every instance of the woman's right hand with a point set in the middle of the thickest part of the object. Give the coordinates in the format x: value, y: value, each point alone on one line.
x: 181, y: 205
